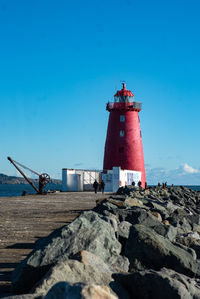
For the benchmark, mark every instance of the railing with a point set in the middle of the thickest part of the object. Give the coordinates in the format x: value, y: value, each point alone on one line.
x: 124, y: 105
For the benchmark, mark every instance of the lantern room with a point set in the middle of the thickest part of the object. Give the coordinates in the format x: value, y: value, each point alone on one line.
x: 123, y: 95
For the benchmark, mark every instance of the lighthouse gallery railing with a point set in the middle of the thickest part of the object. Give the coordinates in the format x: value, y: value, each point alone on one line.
x: 124, y: 105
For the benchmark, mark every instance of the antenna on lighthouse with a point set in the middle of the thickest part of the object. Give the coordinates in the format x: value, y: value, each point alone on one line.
x: 123, y: 84
x: 116, y: 84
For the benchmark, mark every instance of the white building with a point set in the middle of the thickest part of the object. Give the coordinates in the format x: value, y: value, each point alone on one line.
x: 78, y: 179
x: 117, y: 177
x: 82, y: 180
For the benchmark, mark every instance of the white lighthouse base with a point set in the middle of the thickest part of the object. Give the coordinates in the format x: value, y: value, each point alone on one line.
x: 117, y: 177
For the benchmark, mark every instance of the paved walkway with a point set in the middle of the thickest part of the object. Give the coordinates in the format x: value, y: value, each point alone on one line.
x: 25, y: 219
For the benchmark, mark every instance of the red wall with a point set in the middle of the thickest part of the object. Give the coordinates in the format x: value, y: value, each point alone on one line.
x: 127, y: 151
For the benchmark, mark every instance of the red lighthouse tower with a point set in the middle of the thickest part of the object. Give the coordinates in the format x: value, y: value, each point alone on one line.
x: 124, y: 140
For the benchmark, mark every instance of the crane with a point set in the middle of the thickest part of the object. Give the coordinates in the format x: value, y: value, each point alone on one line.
x: 44, y: 178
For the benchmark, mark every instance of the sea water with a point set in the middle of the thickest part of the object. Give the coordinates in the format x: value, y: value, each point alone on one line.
x: 17, y: 189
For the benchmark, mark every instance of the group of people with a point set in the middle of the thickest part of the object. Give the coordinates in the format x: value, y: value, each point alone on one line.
x: 140, y: 184
x: 99, y: 186
x: 164, y: 185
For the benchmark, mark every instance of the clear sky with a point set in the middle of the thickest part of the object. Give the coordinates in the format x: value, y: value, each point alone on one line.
x: 61, y: 61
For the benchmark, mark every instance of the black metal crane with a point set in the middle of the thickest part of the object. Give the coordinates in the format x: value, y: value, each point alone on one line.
x: 44, y: 178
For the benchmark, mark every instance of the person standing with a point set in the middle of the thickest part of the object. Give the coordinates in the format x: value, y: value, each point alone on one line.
x: 95, y: 186
x: 102, y: 186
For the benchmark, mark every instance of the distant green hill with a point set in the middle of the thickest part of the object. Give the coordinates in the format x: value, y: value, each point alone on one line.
x: 6, y: 179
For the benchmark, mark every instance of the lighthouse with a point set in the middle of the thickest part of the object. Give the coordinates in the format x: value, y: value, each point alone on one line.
x: 123, y: 147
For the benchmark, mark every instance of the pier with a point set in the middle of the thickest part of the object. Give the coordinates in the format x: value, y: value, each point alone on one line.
x: 23, y: 220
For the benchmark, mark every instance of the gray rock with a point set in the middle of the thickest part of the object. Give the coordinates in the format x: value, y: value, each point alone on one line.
x: 193, y: 219
x: 90, y: 259
x: 146, y: 248
x: 170, y: 207
x: 196, y: 228
x: 128, y: 190
x: 133, y: 202
x: 106, y: 208
x: 134, y: 215
x: 86, y: 232
x: 63, y: 290
x: 121, y: 264
x: 180, y: 221
x: 113, y: 221
x: 119, y: 197
x: 158, y: 207
x: 190, y: 242
x: 137, y: 215
x: 167, y: 231
x: 140, y: 216
x: 163, y: 284
x: 124, y: 229
x: 72, y: 271
x: 189, y: 250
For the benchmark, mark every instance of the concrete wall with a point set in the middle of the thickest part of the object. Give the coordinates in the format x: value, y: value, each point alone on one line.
x: 70, y: 180
x: 79, y: 179
x: 116, y: 178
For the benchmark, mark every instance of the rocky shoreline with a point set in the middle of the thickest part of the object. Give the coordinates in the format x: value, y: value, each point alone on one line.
x: 136, y: 244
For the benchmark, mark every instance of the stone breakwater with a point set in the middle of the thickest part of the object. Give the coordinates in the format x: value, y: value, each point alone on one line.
x: 136, y: 244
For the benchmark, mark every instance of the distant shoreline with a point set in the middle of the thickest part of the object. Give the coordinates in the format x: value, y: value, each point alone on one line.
x: 15, y: 180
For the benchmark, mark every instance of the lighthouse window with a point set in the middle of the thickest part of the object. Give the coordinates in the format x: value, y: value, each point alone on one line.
x: 121, y: 150
x: 121, y: 133
x: 122, y: 118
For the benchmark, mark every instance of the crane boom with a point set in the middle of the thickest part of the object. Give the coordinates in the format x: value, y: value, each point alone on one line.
x: 23, y: 174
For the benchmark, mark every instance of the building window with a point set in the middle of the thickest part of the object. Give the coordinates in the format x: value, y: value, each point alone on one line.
x: 122, y: 118
x: 121, y: 149
x: 121, y: 133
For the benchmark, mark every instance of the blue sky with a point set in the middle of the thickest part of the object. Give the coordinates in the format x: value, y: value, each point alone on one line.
x: 61, y: 61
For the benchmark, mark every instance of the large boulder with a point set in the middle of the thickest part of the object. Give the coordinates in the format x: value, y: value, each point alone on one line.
x: 64, y: 290
x: 106, y: 208
x: 136, y: 215
x: 147, y: 249
x: 167, y: 231
x: 163, y: 284
x: 128, y: 190
x: 157, y: 207
x: 86, y: 232
x: 124, y: 229
x: 73, y: 271
x: 90, y: 259
x: 191, y: 242
x: 121, y: 264
x: 133, y: 202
